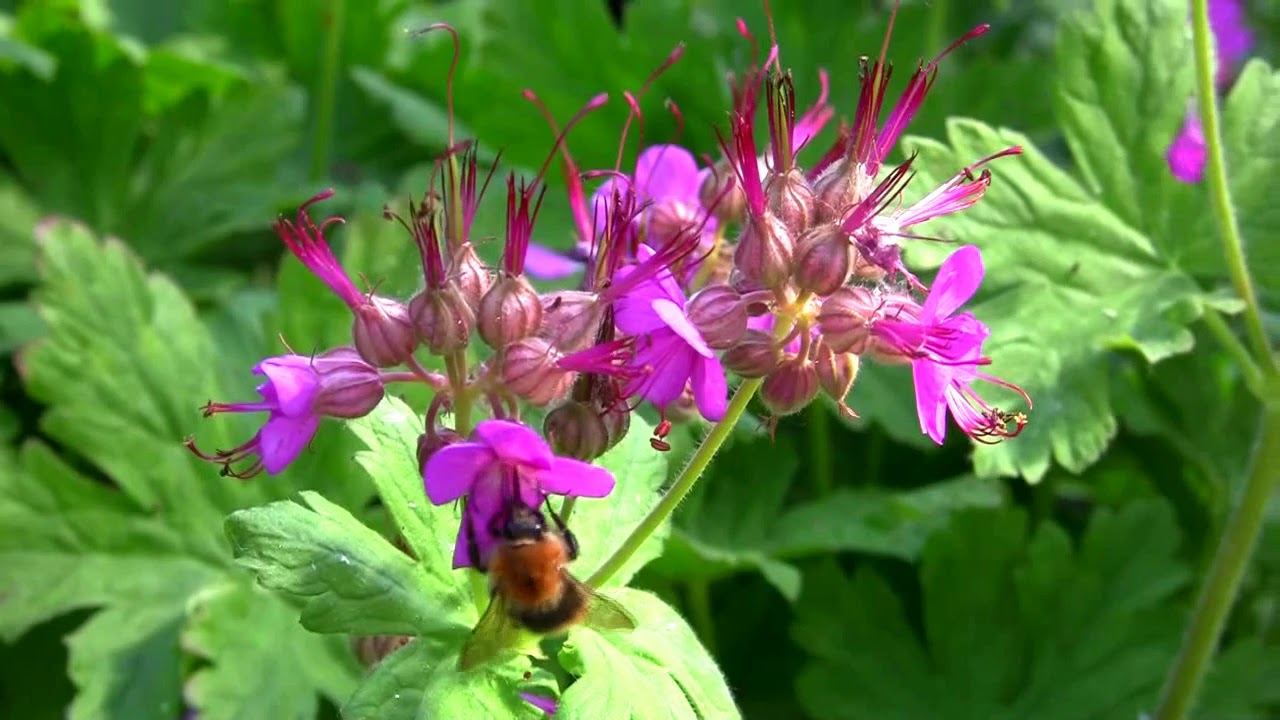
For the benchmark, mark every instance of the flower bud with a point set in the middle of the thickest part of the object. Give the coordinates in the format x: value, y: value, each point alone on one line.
x: 667, y: 219
x: 575, y: 430
x: 755, y: 355
x: 836, y: 373
x: 470, y: 274
x: 790, y: 198
x: 429, y: 443
x: 510, y: 310
x: 721, y: 193
x: 382, y: 332
x: 442, y: 318
x: 528, y: 369
x: 824, y: 260
x: 764, y: 252
x: 835, y: 190
x: 844, y: 319
x: 349, y: 387
x: 719, y: 314
x: 790, y: 387
x: 571, y: 319
x: 617, y: 421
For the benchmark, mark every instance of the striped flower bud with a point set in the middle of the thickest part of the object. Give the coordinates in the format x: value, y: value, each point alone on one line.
x: 824, y: 260
x: 755, y: 355
x: 442, y: 318
x: 509, y: 311
x: 719, y: 314
x: 382, y: 331
x: 790, y: 387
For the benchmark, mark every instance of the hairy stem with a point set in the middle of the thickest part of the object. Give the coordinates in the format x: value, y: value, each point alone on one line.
x: 700, y: 459
x: 684, y: 483
x: 1220, y: 587
x: 1222, y: 331
x: 1240, y: 535
x: 1220, y: 194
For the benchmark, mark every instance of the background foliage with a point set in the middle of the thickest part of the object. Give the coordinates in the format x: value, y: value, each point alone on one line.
x: 838, y: 571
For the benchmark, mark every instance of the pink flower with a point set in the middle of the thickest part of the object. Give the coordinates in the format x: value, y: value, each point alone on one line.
x: 1232, y: 42
x: 945, y: 350
x: 298, y: 391
x: 1186, y: 155
x: 546, y: 705
x: 670, y: 352
x: 502, y: 458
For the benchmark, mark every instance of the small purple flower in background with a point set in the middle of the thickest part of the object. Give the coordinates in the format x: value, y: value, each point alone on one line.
x: 668, y: 180
x: 1232, y: 41
x: 546, y: 705
x: 670, y: 352
x: 502, y: 454
x: 945, y: 350
x: 298, y: 391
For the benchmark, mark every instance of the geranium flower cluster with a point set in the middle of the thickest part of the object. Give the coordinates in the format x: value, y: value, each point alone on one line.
x: 752, y: 264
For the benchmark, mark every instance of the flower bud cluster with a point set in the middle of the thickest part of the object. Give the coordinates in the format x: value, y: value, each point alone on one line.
x: 784, y: 274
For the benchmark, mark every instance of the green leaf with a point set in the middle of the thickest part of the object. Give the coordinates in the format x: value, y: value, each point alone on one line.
x: 890, y: 523
x: 1124, y: 78
x: 1015, y: 624
x: 601, y: 524
x: 736, y: 518
x: 1069, y: 283
x: 390, y: 433
x: 348, y: 578
x: 126, y: 663
x: 262, y: 664
x: 658, y: 670
x: 421, y: 681
x: 124, y: 521
x: 1251, y: 135
x: 18, y: 217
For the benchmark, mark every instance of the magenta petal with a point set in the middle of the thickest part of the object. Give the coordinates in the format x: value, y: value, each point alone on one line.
x: 547, y: 264
x: 294, y: 383
x: 546, y: 705
x: 461, y: 554
x: 574, y: 477
x: 667, y: 171
x: 633, y: 312
x: 282, y: 438
x: 514, y: 443
x: 1187, y: 154
x: 931, y: 406
x: 452, y: 470
x: 673, y: 317
x: 669, y: 362
x: 958, y: 279
x: 710, y: 390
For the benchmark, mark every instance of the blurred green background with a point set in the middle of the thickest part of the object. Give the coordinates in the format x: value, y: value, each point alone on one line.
x: 183, y: 128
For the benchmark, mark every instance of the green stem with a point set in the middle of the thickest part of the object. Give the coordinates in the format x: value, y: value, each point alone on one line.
x: 823, y: 468
x: 566, y: 507
x: 1252, y: 373
x: 783, y: 323
x: 456, y: 368
x: 1220, y: 587
x: 684, y: 483
x: 1219, y: 193
x: 327, y: 91
x: 698, y: 593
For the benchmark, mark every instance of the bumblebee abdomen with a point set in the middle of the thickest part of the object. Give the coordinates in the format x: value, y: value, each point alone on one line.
x: 566, y: 609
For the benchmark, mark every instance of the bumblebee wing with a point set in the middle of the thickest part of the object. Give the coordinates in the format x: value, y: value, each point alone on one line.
x: 605, y: 613
x: 494, y: 634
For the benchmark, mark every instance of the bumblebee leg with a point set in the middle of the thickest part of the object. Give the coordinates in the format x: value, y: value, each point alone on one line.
x: 570, y: 541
